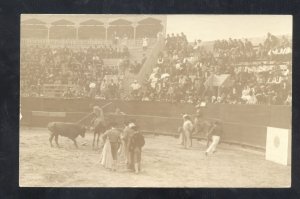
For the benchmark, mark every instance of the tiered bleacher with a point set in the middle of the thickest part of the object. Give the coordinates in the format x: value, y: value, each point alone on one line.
x: 77, y: 61
x: 234, y: 72
x: 83, y: 59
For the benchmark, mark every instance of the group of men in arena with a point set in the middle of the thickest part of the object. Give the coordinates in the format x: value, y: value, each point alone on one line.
x: 120, y: 144
x: 127, y: 143
x: 206, y: 129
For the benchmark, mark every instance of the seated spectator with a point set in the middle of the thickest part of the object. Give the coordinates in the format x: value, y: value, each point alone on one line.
x: 288, y: 100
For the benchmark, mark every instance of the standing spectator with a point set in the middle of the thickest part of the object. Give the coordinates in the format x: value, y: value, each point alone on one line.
x: 92, y: 87
x: 288, y: 100
x: 112, y: 88
x: 145, y: 43
x: 135, y: 89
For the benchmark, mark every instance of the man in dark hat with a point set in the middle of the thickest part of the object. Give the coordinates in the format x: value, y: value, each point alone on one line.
x: 136, y: 143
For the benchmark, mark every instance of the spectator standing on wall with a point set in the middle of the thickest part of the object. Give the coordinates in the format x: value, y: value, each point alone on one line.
x: 145, y: 43
x: 92, y: 87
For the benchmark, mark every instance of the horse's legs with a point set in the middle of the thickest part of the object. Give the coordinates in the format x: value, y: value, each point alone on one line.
x: 94, y: 139
x: 75, y: 143
x: 191, y: 139
x: 51, y: 138
x: 56, y: 141
x: 98, y: 135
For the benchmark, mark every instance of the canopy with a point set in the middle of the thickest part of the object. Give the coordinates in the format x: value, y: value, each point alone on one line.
x: 218, y: 80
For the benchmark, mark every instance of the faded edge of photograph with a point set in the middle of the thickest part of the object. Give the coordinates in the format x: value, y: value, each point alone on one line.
x: 155, y: 100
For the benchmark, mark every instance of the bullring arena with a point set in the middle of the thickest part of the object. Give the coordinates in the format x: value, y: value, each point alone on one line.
x: 165, y: 164
x: 133, y: 68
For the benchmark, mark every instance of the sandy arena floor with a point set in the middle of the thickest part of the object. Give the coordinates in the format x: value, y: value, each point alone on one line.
x: 164, y: 164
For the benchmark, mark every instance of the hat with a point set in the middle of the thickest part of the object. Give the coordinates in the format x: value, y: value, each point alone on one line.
x: 96, y: 108
x: 186, y: 116
x: 131, y: 125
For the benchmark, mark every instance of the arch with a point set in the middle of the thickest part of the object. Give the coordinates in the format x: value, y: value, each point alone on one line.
x: 120, y: 22
x: 62, y: 29
x: 32, y: 21
x: 62, y: 22
x: 33, y: 28
x: 91, y: 32
x: 121, y: 27
x: 91, y: 29
x: 149, y: 20
x: 92, y: 22
x: 148, y: 27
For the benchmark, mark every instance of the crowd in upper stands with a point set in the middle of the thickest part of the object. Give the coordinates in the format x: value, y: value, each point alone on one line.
x: 82, y: 67
x: 183, y: 71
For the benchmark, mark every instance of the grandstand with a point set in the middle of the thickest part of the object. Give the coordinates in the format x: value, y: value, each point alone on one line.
x: 119, y: 38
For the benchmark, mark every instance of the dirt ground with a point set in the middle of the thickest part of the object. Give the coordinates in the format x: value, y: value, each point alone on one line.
x: 164, y: 162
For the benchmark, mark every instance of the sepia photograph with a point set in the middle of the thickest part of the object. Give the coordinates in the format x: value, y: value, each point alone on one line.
x: 135, y: 100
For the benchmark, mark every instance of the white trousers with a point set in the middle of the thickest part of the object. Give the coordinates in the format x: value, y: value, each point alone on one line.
x: 214, y: 144
x: 187, y: 141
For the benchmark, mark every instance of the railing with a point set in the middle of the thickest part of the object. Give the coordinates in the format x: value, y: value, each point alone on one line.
x: 151, y: 60
x: 55, y: 90
x: 81, y: 43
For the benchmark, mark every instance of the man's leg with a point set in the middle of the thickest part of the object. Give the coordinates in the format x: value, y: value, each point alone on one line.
x: 191, y: 139
x: 131, y: 160
x: 217, y: 140
x: 94, y: 138
x: 136, y: 160
x: 184, y: 139
x: 114, y: 151
x: 213, y: 145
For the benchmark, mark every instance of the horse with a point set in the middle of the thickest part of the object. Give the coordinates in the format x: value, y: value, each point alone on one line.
x: 99, y: 125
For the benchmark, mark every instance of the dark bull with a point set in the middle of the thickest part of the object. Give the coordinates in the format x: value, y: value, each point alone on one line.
x: 69, y: 130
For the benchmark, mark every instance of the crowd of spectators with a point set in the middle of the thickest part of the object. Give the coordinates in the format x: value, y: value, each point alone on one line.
x: 44, y: 65
x: 183, y: 69
x: 258, y: 74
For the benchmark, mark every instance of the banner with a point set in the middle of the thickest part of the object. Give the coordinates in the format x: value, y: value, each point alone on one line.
x: 218, y: 80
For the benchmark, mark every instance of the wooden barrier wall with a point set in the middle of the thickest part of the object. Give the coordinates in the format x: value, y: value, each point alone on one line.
x: 243, y: 124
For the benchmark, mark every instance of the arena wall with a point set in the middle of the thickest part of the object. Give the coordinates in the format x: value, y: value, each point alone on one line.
x: 243, y: 124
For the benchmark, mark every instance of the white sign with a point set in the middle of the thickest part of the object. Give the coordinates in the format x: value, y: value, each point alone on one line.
x: 278, y: 146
